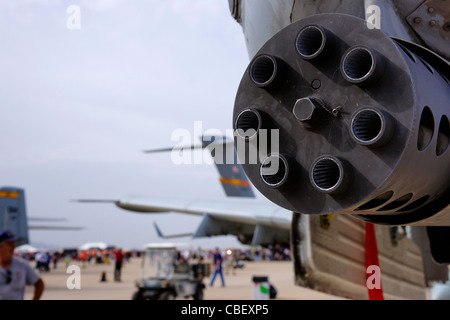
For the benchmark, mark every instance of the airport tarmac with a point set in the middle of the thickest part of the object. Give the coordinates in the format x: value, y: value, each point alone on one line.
x: 238, y: 287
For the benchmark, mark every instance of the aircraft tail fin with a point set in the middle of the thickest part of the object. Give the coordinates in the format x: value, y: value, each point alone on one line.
x: 13, y: 214
x: 232, y: 176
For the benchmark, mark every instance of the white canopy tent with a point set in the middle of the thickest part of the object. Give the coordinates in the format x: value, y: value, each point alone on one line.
x: 93, y: 246
x: 26, y: 248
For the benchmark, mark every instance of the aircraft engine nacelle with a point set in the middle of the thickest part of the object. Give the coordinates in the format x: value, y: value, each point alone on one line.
x: 362, y: 120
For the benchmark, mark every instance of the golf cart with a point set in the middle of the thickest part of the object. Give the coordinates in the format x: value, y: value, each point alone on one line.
x: 165, y: 277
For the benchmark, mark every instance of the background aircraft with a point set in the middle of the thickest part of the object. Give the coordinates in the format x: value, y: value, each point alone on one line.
x: 330, y: 249
x: 13, y: 216
x: 240, y: 214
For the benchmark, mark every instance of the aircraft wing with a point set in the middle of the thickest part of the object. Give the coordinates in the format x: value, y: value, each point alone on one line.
x: 253, y: 222
x: 237, y: 210
x: 49, y: 227
x: 37, y: 227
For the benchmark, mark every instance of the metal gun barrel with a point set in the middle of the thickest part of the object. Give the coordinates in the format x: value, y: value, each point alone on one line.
x: 363, y: 122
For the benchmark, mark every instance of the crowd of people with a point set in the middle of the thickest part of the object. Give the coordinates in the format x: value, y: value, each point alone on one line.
x: 274, y: 252
x: 227, y: 260
x: 221, y: 261
x: 45, y: 260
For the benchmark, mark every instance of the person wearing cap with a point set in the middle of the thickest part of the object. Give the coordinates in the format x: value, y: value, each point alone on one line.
x: 15, y: 272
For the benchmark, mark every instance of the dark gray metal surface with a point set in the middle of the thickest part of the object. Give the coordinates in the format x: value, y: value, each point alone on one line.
x: 383, y: 148
x: 431, y: 21
x: 388, y: 136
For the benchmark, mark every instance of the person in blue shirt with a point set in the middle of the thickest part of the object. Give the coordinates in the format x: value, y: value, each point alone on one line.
x: 218, y: 261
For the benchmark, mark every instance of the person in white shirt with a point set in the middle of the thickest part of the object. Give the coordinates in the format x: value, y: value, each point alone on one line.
x: 16, y: 272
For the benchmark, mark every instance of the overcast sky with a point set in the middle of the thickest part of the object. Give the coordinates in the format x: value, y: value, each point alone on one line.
x: 79, y: 106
